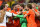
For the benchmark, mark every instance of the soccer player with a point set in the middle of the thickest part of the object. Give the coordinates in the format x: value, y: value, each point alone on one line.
x: 2, y: 17
x: 7, y: 8
x: 30, y: 16
x: 35, y: 10
x: 20, y: 15
x: 15, y: 11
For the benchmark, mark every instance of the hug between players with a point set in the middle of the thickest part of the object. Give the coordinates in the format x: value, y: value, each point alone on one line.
x: 20, y: 15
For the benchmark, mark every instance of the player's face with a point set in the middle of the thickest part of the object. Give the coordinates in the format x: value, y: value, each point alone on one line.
x: 33, y: 6
x: 6, y: 6
x: 26, y: 8
x: 18, y: 6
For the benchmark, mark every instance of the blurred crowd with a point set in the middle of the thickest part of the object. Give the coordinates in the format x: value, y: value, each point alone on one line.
x: 34, y: 1
x: 21, y: 15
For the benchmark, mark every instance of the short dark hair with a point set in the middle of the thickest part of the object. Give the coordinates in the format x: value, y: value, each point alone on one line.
x: 29, y: 6
x: 22, y: 5
x: 14, y: 4
x: 3, y: 6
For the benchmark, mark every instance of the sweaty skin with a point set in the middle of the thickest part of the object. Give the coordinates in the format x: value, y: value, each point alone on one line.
x: 2, y: 13
x: 2, y: 18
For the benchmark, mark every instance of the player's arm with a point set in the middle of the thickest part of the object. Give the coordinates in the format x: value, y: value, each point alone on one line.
x: 36, y: 13
x: 25, y: 15
x: 28, y: 13
x: 18, y: 15
x: 8, y: 14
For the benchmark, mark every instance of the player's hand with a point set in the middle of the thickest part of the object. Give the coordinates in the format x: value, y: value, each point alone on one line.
x: 19, y: 13
x: 24, y: 16
x: 14, y: 14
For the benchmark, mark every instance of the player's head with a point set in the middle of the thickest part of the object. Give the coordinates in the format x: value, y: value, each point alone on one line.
x: 2, y: 7
x: 6, y: 5
x: 29, y: 6
x: 16, y: 6
x: 34, y: 5
x: 25, y: 8
x: 22, y: 5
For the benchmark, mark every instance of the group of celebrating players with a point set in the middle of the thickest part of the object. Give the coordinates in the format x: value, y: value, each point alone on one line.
x: 25, y: 14
x: 21, y: 16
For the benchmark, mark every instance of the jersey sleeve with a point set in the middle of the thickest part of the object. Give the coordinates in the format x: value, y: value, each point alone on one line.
x: 36, y: 10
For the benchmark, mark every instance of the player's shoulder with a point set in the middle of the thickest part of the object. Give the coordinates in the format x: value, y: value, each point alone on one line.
x: 12, y: 10
x: 30, y: 10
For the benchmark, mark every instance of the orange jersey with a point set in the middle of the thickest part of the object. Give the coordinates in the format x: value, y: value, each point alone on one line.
x: 14, y: 12
x: 17, y: 20
x: 0, y: 3
x: 36, y: 10
x: 24, y: 12
x: 31, y: 18
x: 31, y: 15
x: 8, y: 9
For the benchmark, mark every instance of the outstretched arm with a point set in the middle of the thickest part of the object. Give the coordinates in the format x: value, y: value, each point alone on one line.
x: 9, y: 14
x: 18, y: 15
x: 36, y: 13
